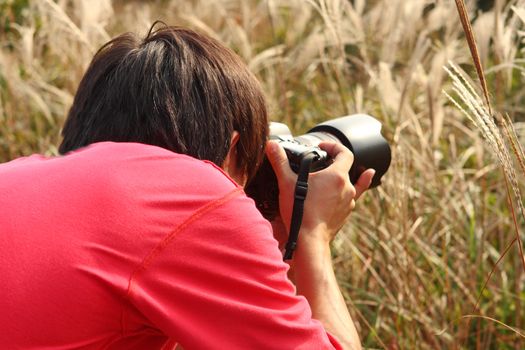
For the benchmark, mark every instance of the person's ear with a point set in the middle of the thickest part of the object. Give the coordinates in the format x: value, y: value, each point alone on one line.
x: 233, y: 143
x: 231, y: 158
x: 231, y: 162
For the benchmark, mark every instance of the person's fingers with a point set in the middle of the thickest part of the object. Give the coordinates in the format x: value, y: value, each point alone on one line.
x: 342, y: 157
x: 278, y: 159
x: 364, y: 182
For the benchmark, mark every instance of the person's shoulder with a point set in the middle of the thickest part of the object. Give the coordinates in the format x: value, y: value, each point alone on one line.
x: 136, y: 163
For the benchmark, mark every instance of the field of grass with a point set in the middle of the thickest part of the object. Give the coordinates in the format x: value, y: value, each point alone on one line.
x: 414, y: 260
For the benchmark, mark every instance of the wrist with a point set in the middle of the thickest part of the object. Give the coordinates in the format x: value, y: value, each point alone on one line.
x: 314, y: 274
x: 315, y: 234
x: 312, y: 258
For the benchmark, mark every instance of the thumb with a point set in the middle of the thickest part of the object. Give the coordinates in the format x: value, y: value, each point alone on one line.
x: 278, y: 159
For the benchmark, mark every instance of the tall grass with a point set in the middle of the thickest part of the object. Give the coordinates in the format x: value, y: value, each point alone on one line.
x: 419, y: 249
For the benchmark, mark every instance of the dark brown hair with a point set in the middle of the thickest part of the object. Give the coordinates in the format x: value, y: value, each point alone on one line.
x: 176, y: 89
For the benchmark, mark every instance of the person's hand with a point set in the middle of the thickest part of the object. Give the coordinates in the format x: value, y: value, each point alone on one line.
x: 331, y: 196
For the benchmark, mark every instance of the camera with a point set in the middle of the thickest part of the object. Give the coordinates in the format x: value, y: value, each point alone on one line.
x: 360, y: 133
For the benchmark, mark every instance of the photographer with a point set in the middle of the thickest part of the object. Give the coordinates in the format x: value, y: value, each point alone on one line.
x: 140, y: 235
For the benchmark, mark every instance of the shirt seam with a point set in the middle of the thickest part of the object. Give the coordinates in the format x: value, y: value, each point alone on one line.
x: 146, y: 261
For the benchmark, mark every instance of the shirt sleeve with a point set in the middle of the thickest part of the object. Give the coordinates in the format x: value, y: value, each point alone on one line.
x: 218, y: 282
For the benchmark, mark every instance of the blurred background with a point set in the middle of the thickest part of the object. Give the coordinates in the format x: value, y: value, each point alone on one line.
x: 418, y: 251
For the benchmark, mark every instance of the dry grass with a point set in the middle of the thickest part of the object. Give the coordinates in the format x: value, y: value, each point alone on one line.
x: 415, y: 257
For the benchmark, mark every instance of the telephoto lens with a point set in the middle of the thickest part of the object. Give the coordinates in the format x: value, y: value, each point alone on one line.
x: 360, y: 133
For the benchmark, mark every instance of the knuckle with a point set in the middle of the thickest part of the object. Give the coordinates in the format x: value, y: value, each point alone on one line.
x: 343, y: 149
x: 350, y: 153
x: 350, y: 158
x: 341, y: 180
x: 352, y: 192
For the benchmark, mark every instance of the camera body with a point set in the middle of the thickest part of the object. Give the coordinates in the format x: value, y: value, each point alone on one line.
x: 296, y: 151
x: 360, y: 133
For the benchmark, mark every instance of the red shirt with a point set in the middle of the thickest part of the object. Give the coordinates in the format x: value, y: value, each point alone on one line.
x: 129, y: 246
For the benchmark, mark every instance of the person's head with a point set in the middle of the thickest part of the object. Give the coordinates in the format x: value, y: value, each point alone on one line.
x: 176, y: 89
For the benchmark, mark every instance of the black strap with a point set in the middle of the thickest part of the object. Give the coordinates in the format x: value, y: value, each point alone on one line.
x: 301, y: 189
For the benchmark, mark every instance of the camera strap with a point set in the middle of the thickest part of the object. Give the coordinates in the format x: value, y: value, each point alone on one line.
x: 301, y: 189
